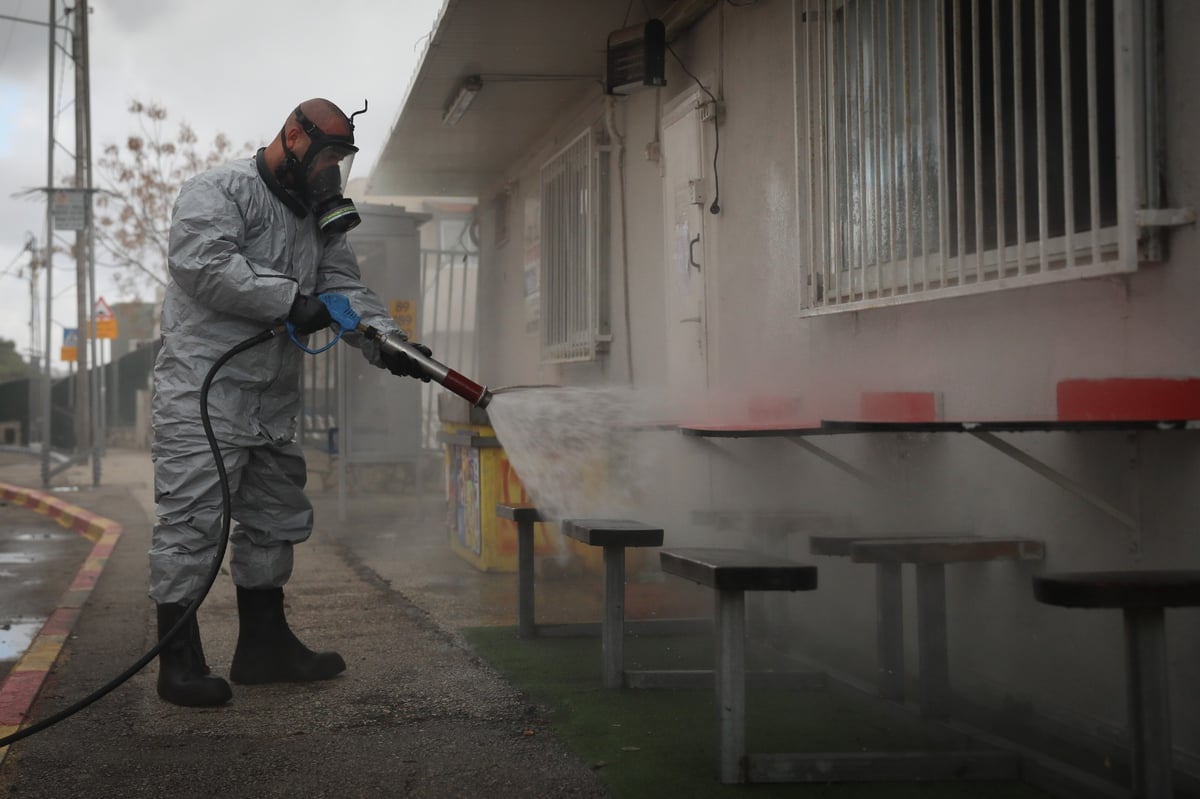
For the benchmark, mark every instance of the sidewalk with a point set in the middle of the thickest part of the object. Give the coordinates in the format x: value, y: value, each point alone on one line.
x: 415, y: 714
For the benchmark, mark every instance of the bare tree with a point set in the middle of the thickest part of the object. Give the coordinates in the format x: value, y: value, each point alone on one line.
x: 138, y: 184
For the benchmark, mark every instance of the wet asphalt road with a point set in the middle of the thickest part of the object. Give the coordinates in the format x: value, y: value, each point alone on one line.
x: 38, y: 560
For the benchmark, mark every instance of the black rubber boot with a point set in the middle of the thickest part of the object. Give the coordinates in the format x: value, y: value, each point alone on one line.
x: 198, y: 649
x: 268, y: 650
x: 183, y: 676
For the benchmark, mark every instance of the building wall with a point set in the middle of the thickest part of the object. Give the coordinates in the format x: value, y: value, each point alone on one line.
x: 137, y: 324
x: 995, y: 355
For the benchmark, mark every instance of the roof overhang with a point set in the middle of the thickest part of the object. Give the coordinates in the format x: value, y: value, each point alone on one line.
x: 534, y: 59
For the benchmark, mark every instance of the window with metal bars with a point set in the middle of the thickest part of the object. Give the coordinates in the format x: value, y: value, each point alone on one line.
x: 574, y: 283
x: 955, y: 146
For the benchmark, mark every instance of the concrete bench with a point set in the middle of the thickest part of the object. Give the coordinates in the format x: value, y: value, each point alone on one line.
x: 889, y: 607
x: 1142, y: 596
x: 526, y: 516
x: 733, y: 572
x: 768, y: 530
x: 930, y: 555
x: 614, y: 535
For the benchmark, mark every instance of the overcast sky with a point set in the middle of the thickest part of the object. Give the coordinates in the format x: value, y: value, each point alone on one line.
x: 223, y: 66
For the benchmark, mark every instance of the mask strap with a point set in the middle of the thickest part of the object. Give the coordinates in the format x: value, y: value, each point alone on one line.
x: 290, y: 200
x: 292, y: 160
x: 319, y: 139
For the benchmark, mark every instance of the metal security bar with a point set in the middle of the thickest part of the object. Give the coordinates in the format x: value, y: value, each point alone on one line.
x: 447, y: 322
x: 949, y: 147
x: 573, y: 284
x: 318, y: 382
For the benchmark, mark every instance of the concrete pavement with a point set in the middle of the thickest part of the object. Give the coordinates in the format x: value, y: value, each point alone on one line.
x: 416, y: 713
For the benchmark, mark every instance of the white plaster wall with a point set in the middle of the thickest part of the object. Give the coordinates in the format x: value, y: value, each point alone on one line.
x: 510, y: 355
x: 992, y: 355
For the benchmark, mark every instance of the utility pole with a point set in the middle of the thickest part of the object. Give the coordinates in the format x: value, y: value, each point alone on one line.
x: 47, y: 403
x: 83, y: 403
x: 90, y: 395
x: 87, y: 409
x: 35, y: 353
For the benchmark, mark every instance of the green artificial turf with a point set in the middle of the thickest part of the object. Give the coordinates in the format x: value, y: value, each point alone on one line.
x: 663, y: 743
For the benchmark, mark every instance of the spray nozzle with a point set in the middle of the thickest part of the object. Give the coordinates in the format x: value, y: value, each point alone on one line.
x: 468, y: 389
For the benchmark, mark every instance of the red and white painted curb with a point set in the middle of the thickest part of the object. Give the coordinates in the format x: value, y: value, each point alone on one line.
x: 25, y: 681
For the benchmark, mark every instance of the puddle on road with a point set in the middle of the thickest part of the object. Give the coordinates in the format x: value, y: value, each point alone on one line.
x: 42, y: 536
x: 16, y: 635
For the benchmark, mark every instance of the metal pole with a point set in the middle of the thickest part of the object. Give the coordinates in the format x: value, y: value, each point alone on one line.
x: 47, y: 425
x: 35, y: 353
x: 84, y: 421
x: 83, y: 98
x: 1149, y: 701
x: 343, y: 437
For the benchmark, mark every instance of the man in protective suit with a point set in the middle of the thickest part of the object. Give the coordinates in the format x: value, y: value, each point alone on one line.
x: 252, y: 244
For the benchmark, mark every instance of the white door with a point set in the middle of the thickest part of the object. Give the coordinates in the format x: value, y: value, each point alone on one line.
x: 685, y: 201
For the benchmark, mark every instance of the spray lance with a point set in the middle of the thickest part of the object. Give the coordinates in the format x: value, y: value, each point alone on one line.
x: 346, y: 319
x: 393, y: 343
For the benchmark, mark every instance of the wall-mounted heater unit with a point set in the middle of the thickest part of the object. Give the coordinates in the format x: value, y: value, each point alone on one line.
x: 635, y: 59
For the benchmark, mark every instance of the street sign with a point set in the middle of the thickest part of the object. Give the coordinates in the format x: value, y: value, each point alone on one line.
x: 70, y: 346
x: 69, y: 205
x: 105, y: 322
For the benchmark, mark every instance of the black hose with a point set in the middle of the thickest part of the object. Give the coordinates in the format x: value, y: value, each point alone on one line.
x: 214, y: 570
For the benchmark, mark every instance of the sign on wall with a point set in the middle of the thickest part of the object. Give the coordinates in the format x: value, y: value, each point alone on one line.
x: 404, y: 313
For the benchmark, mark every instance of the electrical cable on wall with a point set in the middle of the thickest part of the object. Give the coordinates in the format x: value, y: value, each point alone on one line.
x: 715, y: 208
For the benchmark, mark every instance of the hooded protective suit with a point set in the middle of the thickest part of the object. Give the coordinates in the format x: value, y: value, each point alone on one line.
x: 238, y: 256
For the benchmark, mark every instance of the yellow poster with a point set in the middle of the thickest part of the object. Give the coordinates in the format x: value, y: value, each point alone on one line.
x: 404, y: 312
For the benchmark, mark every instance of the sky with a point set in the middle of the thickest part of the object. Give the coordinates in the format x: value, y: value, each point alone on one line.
x: 236, y: 67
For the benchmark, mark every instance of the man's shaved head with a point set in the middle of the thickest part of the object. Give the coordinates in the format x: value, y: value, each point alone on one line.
x: 325, y: 115
x: 293, y: 143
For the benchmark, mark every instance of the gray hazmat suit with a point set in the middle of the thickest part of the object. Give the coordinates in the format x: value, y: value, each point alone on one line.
x: 238, y: 256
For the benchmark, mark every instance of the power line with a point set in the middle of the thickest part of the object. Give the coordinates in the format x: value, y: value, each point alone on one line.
x: 8, y: 39
x: 5, y: 272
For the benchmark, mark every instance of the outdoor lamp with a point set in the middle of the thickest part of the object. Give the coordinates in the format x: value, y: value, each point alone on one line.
x: 462, y: 101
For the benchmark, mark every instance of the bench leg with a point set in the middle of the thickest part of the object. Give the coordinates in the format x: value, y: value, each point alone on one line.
x: 1149, y: 702
x: 731, y: 684
x: 525, y: 616
x: 889, y: 629
x: 934, y: 676
x: 612, y: 632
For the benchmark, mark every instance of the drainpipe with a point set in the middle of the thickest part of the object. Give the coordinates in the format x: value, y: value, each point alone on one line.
x: 618, y: 145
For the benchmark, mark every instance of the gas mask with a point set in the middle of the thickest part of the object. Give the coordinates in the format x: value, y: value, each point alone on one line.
x: 321, y: 176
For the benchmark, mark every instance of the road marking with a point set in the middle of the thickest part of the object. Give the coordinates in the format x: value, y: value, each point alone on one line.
x: 23, y: 684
